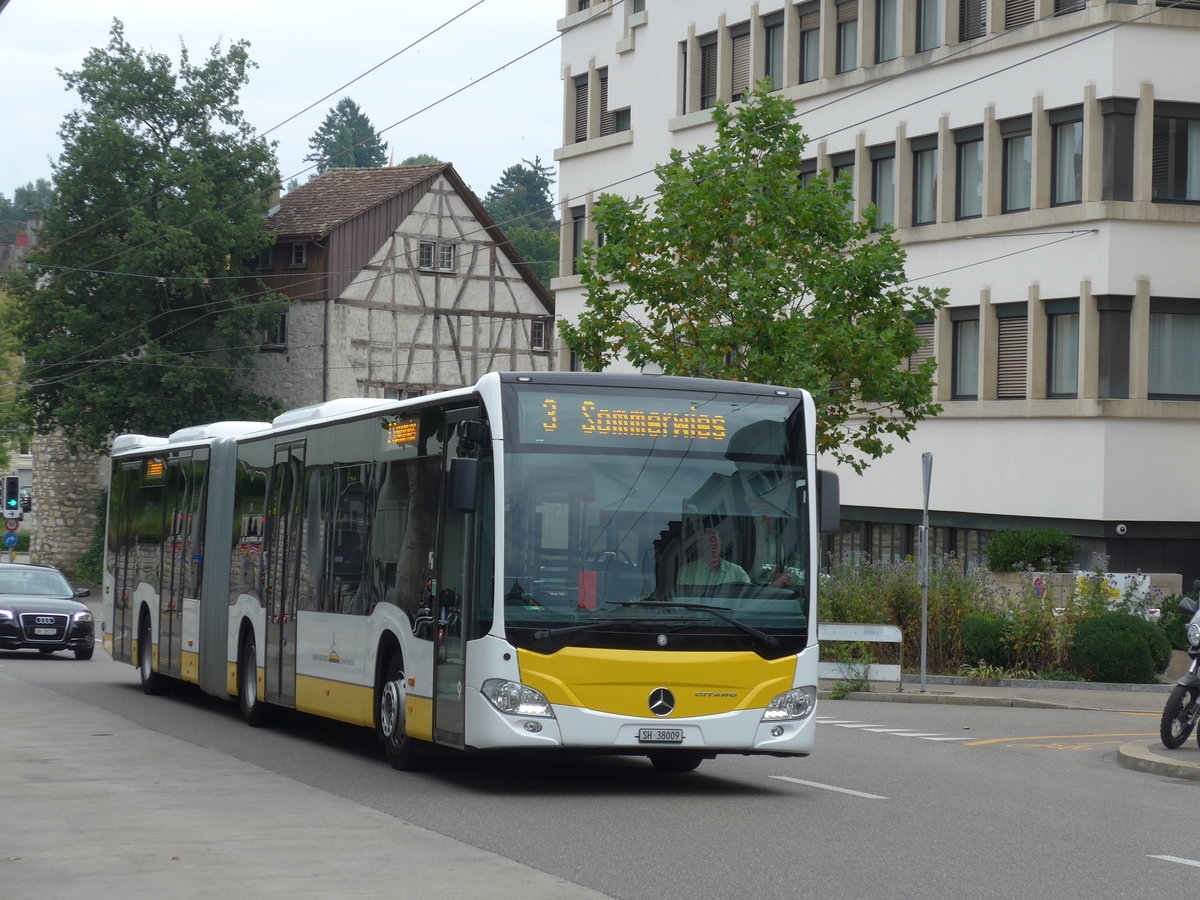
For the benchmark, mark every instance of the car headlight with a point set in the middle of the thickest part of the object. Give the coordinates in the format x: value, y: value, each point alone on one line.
x: 1193, y: 633
x: 6, y: 614
x: 516, y: 699
x: 797, y: 703
x: 82, y: 616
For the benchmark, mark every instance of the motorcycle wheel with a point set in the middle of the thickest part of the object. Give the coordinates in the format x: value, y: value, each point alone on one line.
x: 1174, y: 728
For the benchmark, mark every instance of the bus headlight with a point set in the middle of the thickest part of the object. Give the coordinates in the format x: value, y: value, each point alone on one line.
x: 516, y: 699
x: 794, y: 704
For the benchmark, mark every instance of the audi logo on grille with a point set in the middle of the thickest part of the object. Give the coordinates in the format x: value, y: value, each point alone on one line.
x: 44, y: 620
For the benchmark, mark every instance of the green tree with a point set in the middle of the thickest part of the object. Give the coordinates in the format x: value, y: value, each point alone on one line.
x: 739, y: 272
x: 346, y: 140
x: 135, y: 316
x: 34, y: 195
x: 522, y: 205
x: 8, y: 220
x: 421, y: 159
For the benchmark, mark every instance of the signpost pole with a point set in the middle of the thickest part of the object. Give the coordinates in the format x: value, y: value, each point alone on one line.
x: 923, y: 559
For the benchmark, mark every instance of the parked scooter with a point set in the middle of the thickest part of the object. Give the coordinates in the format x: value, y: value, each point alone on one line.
x: 1183, y: 706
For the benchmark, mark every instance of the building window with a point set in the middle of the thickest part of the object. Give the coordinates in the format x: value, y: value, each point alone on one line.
x: 972, y: 19
x: 1175, y: 168
x: 740, y: 46
x: 1062, y: 339
x: 969, y: 189
x: 965, y: 365
x: 275, y: 338
x: 264, y: 257
x: 708, y: 71
x: 1012, y: 350
x: 1018, y: 164
x: 808, y: 172
x: 1018, y: 13
x: 883, y: 183
x: 810, y: 42
x: 1066, y: 177
x: 929, y: 24
x: 842, y: 165
x: 578, y: 233
x: 1061, y: 7
x: 773, y: 50
x: 924, y: 333
x: 1114, y: 313
x: 437, y: 257
x: 847, y: 36
x: 537, y: 334
x: 446, y: 257
x: 925, y: 180
x: 887, y: 30
x: 581, y: 108
x: 425, y: 254
x: 1174, y: 350
x: 1118, y: 116
x: 298, y: 255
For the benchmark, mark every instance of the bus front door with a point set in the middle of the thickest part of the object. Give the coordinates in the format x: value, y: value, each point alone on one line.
x: 454, y: 601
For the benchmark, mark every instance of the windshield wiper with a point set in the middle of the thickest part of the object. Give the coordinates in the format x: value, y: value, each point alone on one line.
x: 569, y: 629
x: 768, y: 639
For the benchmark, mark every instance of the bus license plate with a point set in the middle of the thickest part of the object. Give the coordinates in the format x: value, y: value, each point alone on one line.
x: 45, y: 631
x: 660, y: 735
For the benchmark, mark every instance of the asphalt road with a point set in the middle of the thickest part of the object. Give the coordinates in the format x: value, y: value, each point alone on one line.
x: 899, y: 800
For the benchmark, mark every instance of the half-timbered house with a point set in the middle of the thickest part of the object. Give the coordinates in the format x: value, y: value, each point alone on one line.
x: 402, y: 284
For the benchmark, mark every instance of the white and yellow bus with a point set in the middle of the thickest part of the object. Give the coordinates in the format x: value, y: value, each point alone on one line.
x: 603, y: 563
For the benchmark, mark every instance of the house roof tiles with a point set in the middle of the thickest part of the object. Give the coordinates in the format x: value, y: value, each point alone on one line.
x: 337, y: 195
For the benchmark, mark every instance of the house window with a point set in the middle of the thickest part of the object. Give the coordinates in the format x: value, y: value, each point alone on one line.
x: 275, y: 338
x: 965, y: 364
x: 537, y: 334
x: 1063, y: 348
x: 425, y: 254
x: 924, y: 332
x: 1018, y: 163
x: 1118, y: 113
x: 1174, y: 350
x: 883, y: 183
x: 611, y: 120
x: 264, y: 257
x: 708, y: 71
x: 808, y: 172
x: 810, y: 42
x: 578, y: 233
x: 740, y: 45
x: 446, y: 261
x: 847, y: 36
x: 1066, y: 177
x: 773, y: 50
x: 969, y: 193
x: 887, y: 30
x: 581, y: 107
x: 929, y: 24
x: 298, y: 255
x: 1012, y: 351
x: 842, y: 165
x: 1114, y: 310
x: 972, y: 19
x: 924, y: 180
x: 1062, y: 7
x: 1175, y: 167
x: 1018, y: 13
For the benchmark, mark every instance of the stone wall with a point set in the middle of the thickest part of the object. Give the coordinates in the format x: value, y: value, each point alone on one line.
x: 65, y: 486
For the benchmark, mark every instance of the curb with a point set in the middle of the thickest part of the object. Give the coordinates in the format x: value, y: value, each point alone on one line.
x: 1148, y: 758
x: 949, y: 700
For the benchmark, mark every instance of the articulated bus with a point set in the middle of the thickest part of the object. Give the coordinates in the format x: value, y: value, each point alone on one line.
x: 600, y: 563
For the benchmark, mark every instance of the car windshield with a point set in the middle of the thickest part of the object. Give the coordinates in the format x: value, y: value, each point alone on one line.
x: 633, y: 542
x: 30, y: 583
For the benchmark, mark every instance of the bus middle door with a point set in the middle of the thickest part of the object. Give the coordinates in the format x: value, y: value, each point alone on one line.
x: 283, y: 547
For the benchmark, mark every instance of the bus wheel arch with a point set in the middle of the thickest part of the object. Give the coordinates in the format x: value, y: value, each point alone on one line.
x: 390, y: 727
x: 252, y: 707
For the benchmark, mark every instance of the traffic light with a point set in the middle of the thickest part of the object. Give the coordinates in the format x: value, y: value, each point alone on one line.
x: 12, y: 494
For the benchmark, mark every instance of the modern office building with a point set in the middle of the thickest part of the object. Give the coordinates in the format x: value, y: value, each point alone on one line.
x: 1040, y: 159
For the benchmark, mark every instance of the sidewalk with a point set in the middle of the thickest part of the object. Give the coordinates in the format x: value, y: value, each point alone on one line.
x: 99, y: 807
x: 1142, y: 756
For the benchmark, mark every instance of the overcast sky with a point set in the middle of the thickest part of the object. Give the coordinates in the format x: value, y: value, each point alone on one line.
x: 305, y: 51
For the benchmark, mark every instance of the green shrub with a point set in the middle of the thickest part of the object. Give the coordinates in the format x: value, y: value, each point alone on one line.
x: 1118, y: 647
x: 1173, y: 623
x: 984, y: 640
x: 1040, y: 549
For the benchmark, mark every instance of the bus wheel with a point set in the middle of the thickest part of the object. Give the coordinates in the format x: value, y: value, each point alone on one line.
x: 253, y: 709
x: 676, y: 762
x: 152, y: 682
x: 389, y: 718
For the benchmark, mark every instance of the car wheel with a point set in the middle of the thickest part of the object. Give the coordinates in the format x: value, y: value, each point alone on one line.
x: 84, y: 652
x: 252, y: 707
x: 152, y: 682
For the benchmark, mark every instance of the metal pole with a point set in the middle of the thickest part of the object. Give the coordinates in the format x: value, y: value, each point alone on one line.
x: 923, y: 573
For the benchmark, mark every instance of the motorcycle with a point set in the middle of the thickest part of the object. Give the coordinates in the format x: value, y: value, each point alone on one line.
x: 1183, y: 706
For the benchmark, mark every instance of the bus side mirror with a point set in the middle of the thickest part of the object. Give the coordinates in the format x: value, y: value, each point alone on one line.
x: 829, y: 502
x: 464, y: 481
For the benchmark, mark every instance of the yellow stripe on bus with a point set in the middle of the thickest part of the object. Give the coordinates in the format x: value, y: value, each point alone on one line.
x: 189, y: 667
x: 335, y: 700
x: 620, y: 681
x: 418, y: 718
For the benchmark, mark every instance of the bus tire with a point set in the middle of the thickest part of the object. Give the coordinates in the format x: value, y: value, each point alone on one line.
x: 153, y: 683
x: 251, y: 706
x: 400, y: 749
x: 675, y: 763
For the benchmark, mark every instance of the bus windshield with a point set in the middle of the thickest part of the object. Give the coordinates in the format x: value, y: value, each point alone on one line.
x: 655, y: 519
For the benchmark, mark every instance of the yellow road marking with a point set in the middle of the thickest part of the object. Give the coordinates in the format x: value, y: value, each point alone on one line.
x: 1155, y: 715
x: 1052, y: 737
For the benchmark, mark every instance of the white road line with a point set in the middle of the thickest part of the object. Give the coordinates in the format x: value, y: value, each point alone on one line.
x: 855, y: 725
x: 903, y: 732
x: 829, y: 787
x: 942, y: 738
x: 1177, y: 859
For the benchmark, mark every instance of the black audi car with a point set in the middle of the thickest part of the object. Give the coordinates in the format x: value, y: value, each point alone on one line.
x: 39, y: 610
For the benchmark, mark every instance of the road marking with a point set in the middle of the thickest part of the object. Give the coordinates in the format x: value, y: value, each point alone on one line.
x: 829, y: 787
x: 1053, y: 737
x: 1177, y: 859
x: 880, y: 729
x: 939, y: 738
